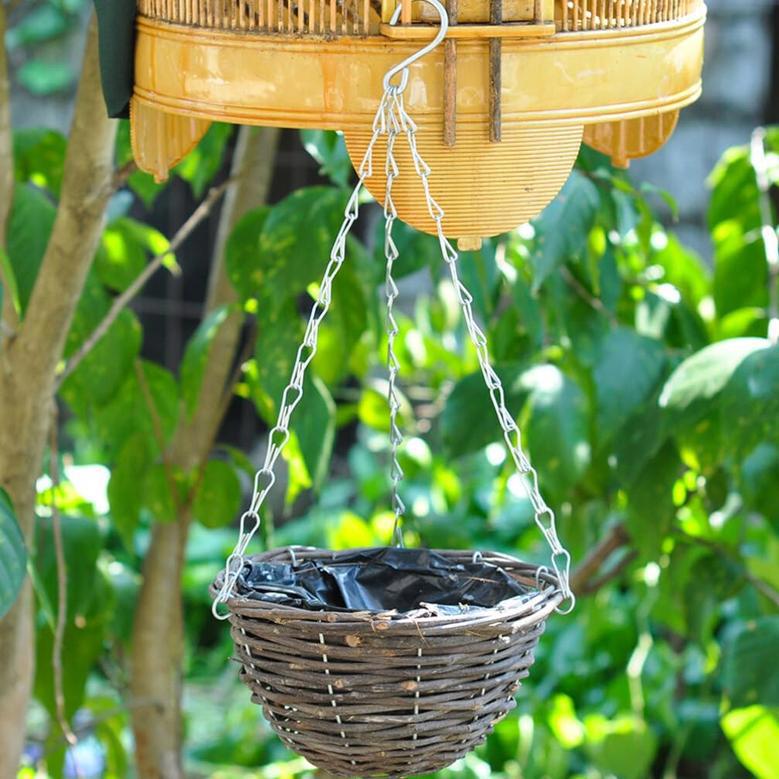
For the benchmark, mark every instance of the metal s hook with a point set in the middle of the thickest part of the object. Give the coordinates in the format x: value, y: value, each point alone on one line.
x: 402, y: 67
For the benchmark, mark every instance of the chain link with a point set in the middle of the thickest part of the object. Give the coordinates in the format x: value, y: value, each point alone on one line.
x: 392, y: 120
x: 391, y: 289
x: 544, y: 516
x: 279, y: 434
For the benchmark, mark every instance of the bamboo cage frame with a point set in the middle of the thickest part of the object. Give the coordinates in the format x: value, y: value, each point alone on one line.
x: 337, y: 18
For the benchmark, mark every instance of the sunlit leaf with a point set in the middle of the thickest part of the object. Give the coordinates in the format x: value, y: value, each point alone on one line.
x: 754, y: 733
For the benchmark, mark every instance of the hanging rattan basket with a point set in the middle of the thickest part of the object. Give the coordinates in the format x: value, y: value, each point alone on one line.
x: 388, y: 693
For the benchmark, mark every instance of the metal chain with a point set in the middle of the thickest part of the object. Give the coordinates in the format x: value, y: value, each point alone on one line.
x: 391, y: 289
x: 391, y: 119
x: 544, y: 516
x: 279, y: 434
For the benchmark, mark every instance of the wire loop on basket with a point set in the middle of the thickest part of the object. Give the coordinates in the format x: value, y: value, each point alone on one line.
x: 392, y: 120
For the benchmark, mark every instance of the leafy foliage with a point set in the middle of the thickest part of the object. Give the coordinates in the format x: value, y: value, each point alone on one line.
x: 641, y: 378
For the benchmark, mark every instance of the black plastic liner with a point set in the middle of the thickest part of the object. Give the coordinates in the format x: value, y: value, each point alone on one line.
x: 389, y: 579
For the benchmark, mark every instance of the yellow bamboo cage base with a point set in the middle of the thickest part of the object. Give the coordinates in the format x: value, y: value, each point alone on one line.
x: 614, y: 72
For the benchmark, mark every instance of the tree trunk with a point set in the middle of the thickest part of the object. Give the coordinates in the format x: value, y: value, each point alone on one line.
x: 158, y: 632
x: 29, y: 360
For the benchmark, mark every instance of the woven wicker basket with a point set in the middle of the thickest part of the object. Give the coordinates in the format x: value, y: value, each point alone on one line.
x: 385, y: 693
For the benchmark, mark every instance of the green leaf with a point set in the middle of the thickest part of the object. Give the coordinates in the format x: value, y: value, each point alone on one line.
x: 703, y: 375
x: 82, y: 542
x: 102, y: 372
x: 622, y: 746
x: 85, y: 628
x: 740, y: 269
x: 329, y: 150
x: 294, y: 244
x: 314, y: 425
x: 242, y: 253
x: 195, y: 360
x: 557, y: 428
x: 13, y: 555
x: 750, y: 672
x: 753, y: 733
x: 164, y: 490
x: 760, y: 481
x: 468, y: 422
x: 650, y: 501
x: 45, y: 78
x: 124, y: 250
x: 39, y: 157
x: 628, y: 368
x: 130, y: 412
x: 200, y: 166
x: 124, y: 488
x: 218, y: 495
x: 564, y: 226
x: 29, y: 227
x: 750, y: 402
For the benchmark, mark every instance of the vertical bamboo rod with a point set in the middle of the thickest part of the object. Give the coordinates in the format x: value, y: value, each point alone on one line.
x: 332, y: 16
x: 496, y: 17
x: 565, y: 15
x: 366, y: 17
x: 405, y: 12
x: 450, y: 79
x: 575, y: 14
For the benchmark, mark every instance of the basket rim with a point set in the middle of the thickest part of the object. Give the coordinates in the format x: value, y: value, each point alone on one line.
x: 544, y: 601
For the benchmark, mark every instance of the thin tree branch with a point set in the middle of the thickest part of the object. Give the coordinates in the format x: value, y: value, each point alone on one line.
x: 581, y: 291
x: 122, y: 301
x: 62, y: 582
x: 585, y: 573
x: 759, y: 162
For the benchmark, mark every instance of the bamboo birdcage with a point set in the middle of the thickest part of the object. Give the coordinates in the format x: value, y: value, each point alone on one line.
x: 502, y: 106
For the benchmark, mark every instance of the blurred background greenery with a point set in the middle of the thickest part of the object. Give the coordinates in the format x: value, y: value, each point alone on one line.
x: 640, y: 373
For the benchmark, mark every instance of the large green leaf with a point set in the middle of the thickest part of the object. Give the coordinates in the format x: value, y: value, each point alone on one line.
x: 151, y: 407
x: 564, y: 226
x: 557, y: 429
x: 751, y: 674
x: 242, y: 260
x: 627, y: 369
x: 750, y: 402
x: 468, y: 422
x: 195, y: 360
x: 703, y: 375
x: 218, y: 495
x: 754, y: 734
x: 29, y: 227
x: 276, y: 254
x: 13, y: 554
